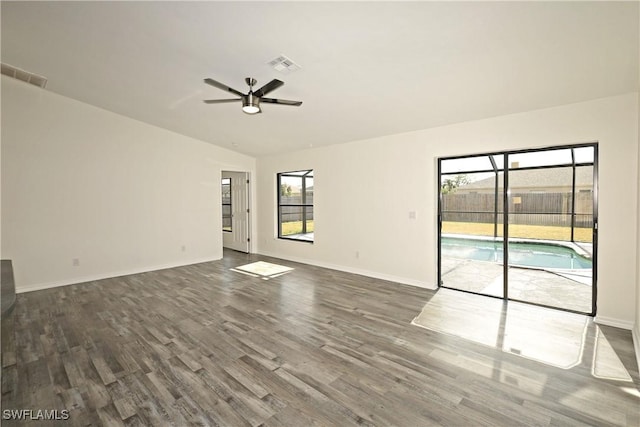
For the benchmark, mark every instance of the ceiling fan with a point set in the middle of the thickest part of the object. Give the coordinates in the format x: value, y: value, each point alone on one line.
x: 251, y: 101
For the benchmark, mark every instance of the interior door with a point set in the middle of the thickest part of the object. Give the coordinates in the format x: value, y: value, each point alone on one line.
x: 237, y: 237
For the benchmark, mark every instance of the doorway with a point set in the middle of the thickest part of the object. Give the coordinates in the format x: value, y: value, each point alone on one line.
x: 521, y: 225
x: 235, y: 211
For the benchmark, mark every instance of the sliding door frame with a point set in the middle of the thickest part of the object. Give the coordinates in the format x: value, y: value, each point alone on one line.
x: 505, y: 213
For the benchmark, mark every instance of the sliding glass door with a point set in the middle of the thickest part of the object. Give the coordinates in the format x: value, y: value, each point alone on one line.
x: 471, y: 227
x: 535, y: 242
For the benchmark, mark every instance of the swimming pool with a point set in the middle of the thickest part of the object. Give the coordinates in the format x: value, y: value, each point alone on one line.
x: 525, y: 254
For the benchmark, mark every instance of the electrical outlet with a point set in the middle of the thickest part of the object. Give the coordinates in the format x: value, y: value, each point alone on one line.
x: 357, y: 254
x: 184, y: 248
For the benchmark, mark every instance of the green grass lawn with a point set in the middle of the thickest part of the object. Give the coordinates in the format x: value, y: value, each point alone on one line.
x: 295, y: 227
x: 478, y: 229
x: 519, y: 230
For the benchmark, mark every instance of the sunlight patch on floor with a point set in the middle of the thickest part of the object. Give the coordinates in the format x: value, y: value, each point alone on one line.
x: 264, y: 270
x: 552, y: 337
x: 606, y: 363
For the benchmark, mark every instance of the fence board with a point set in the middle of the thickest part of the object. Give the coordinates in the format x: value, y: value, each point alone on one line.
x: 553, y: 209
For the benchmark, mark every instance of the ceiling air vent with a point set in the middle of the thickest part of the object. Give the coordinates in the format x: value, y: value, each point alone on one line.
x: 25, y: 76
x: 284, y: 64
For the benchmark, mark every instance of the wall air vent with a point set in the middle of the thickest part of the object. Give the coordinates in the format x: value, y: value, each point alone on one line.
x: 284, y: 64
x: 25, y: 76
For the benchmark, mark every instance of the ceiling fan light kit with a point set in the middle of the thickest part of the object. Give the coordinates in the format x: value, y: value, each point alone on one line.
x: 251, y: 104
x: 251, y: 100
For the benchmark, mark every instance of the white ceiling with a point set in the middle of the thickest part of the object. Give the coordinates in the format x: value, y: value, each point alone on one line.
x: 368, y: 68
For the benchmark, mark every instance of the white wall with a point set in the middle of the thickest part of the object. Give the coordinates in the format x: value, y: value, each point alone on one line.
x: 636, y: 330
x: 119, y: 195
x: 365, y: 190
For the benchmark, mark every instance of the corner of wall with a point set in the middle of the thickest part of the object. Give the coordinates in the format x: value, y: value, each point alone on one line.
x: 636, y: 328
x: 89, y: 194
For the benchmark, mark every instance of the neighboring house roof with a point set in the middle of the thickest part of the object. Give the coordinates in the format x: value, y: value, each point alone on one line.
x: 536, y: 178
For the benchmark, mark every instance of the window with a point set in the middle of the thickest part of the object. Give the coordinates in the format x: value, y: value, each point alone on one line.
x: 226, y: 204
x: 295, y: 205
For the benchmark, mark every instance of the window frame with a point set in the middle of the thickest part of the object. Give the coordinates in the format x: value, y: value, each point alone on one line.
x: 304, y: 174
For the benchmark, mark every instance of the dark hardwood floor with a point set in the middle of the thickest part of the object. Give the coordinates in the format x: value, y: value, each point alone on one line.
x: 204, y: 345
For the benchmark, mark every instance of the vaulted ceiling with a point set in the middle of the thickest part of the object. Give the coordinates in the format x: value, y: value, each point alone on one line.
x: 368, y: 69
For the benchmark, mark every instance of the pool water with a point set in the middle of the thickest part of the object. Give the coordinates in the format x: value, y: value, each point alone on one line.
x: 540, y: 255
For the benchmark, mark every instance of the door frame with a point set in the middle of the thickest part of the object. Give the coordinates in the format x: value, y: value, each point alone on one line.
x: 229, y: 239
x: 505, y: 212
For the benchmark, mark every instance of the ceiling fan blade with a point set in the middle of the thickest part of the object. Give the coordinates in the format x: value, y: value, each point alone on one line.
x: 281, y: 101
x: 223, y: 87
x: 220, y: 101
x: 269, y: 87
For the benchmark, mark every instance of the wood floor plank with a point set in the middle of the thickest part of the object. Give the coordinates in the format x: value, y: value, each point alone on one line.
x: 109, y: 416
x: 205, y: 345
x: 102, y: 368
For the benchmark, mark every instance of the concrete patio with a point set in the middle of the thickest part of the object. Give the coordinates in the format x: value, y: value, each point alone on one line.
x: 525, y: 284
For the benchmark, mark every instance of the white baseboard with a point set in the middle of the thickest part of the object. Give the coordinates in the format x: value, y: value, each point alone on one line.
x: 362, y: 272
x: 102, y: 276
x: 617, y: 323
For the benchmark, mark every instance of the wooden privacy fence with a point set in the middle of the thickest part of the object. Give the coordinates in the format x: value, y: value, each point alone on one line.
x: 291, y: 208
x: 553, y: 209
x: 293, y: 214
